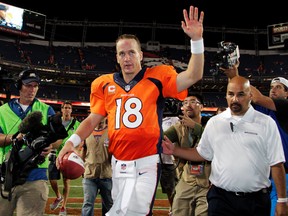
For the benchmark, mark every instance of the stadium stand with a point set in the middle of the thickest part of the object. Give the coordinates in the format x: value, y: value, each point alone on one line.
x: 67, y: 70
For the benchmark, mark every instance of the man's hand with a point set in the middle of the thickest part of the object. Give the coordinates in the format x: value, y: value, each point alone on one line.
x: 193, y: 26
x: 231, y: 72
x: 46, y: 150
x: 187, y: 121
x: 168, y: 146
x: 68, y: 147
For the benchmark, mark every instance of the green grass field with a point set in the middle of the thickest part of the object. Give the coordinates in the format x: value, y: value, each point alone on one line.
x: 76, y: 189
x: 74, y: 203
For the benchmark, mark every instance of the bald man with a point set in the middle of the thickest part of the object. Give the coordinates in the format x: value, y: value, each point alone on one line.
x: 244, y: 146
x: 276, y: 106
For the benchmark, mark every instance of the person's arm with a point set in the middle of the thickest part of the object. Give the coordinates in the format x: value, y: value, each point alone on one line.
x: 193, y: 27
x: 231, y: 72
x: 278, y: 175
x: 172, y: 135
x: 83, y: 131
x: 83, y: 150
x: 5, y: 139
x: 190, y: 154
x: 56, y: 144
x: 195, y: 127
x: 262, y: 100
x: 187, y: 121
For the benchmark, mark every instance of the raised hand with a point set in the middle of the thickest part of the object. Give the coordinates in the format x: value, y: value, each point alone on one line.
x: 231, y: 72
x: 192, y: 25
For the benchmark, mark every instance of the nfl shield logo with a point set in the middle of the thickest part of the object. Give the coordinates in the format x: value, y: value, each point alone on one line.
x: 123, y: 166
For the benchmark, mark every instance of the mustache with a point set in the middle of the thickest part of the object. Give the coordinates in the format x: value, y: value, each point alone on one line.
x: 235, y: 104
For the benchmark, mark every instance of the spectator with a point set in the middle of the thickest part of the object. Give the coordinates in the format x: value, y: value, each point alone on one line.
x: 98, y: 170
x: 168, y: 178
x: 133, y: 100
x: 193, y: 185
x: 244, y: 146
x: 30, y: 197
x: 71, y: 124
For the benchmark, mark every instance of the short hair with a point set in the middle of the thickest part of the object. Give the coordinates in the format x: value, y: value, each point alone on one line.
x: 221, y: 109
x: 198, y: 96
x: 66, y: 102
x: 129, y: 36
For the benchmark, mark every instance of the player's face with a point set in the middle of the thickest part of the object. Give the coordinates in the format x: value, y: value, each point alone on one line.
x: 278, y: 91
x: 129, y: 56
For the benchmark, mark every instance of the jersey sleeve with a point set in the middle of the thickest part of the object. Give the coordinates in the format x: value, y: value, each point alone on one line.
x: 169, y: 78
x: 97, y: 103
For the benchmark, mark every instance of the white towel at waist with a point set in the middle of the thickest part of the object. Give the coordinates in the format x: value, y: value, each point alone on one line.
x: 126, y: 173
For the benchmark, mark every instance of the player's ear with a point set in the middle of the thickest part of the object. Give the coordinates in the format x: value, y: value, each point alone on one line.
x: 141, y: 55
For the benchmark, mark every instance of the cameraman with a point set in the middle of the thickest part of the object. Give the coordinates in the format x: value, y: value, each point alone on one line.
x: 29, y: 198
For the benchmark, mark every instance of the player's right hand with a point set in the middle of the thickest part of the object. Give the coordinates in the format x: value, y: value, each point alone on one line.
x: 68, y: 147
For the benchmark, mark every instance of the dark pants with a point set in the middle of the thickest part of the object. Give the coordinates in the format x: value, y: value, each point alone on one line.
x: 53, y: 172
x: 225, y: 203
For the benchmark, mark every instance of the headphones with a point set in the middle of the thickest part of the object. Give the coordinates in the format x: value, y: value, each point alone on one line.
x: 23, y: 74
x: 18, y: 83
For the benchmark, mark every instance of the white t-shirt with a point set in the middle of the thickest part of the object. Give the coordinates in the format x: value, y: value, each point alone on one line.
x: 169, y: 121
x: 166, y: 123
x: 241, y: 153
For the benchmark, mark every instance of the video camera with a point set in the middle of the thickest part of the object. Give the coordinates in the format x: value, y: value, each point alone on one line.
x: 172, y: 107
x: 226, y: 56
x: 25, y: 154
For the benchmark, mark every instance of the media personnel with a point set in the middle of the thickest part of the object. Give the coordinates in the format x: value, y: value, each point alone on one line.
x: 31, y: 196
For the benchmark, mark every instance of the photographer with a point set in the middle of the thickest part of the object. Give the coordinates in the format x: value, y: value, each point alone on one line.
x: 31, y: 196
x: 193, y: 184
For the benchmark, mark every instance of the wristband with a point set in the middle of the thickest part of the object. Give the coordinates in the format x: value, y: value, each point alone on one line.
x: 197, y: 47
x: 75, y: 139
x: 282, y: 200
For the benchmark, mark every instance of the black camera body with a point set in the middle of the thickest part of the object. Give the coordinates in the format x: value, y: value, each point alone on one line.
x: 52, y: 156
x: 25, y: 154
x: 172, y: 107
x: 226, y: 56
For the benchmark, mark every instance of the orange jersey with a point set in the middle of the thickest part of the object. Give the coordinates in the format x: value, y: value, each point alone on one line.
x: 135, y: 110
